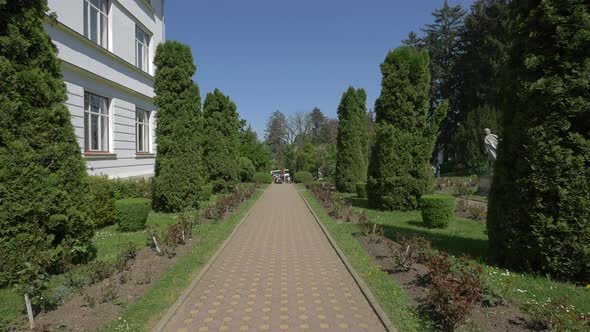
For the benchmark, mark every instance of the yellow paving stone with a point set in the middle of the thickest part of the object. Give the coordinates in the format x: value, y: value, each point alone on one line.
x: 277, y: 262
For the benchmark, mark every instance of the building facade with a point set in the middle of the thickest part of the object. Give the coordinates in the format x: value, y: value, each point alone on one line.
x: 107, y: 49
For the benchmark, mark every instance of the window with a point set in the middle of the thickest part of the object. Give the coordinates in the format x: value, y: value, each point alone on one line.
x: 142, y: 130
x: 96, y: 123
x: 96, y: 21
x: 142, y: 46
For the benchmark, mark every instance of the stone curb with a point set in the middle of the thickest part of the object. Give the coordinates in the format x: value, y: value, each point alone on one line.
x: 170, y: 313
x: 364, y: 289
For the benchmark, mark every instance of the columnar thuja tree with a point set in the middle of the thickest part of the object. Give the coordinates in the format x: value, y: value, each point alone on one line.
x: 352, y: 140
x: 179, y: 168
x: 539, y: 212
x: 405, y: 131
x: 222, y: 141
x: 44, y: 219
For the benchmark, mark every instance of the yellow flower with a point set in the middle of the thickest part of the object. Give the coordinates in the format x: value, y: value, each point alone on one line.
x: 588, y: 286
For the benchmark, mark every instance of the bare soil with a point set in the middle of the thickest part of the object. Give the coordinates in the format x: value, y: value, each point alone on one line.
x: 98, y: 305
x: 416, y: 283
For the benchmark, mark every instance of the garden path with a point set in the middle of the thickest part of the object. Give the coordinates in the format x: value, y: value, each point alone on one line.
x: 278, y: 272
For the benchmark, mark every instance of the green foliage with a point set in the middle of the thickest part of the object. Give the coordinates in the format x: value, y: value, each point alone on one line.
x: 320, y: 130
x: 275, y: 136
x: 206, y: 192
x: 470, y: 138
x: 247, y: 169
x: 539, y: 208
x: 179, y: 167
x: 444, y: 46
x: 262, y: 177
x: 132, y: 213
x: 303, y: 177
x: 352, y: 141
x: 361, y: 190
x: 399, y: 169
x: 132, y: 188
x: 437, y: 210
x: 44, y: 217
x: 221, y: 141
x: 258, y: 152
x: 102, y: 196
x: 478, y: 75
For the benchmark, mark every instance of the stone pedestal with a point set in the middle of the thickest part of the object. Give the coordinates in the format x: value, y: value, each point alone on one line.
x: 485, y: 184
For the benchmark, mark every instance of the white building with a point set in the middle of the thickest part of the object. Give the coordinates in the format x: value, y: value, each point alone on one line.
x: 107, y: 49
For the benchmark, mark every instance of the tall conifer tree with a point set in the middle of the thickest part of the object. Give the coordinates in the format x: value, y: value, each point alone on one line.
x: 179, y: 167
x: 44, y: 219
x: 352, y: 140
x: 399, y: 170
x: 539, y: 210
x: 222, y: 141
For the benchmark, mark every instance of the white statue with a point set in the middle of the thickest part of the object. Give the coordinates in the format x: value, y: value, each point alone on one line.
x: 491, y: 146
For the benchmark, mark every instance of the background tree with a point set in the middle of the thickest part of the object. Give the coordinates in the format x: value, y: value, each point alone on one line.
x: 179, y: 168
x: 44, y: 218
x: 478, y: 73
x: 405, y: 131
x: 250, y: 147
x: 539, y: 209
x: 319, y: 131
x: 413, y: 41
x: 444, y: 46
x: 352, y: 141
x: 222, y: 141
x: 275, y: 136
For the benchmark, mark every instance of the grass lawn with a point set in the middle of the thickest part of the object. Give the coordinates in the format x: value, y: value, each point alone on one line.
x: 390, y: 296
x: 145, y: 313
x: 468, y: 237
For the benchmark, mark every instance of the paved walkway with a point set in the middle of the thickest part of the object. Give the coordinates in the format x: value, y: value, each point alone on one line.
x: 278, y: 273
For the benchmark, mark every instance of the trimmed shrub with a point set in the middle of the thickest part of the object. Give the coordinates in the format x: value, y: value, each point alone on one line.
x: 206, y: 192
x: 262, y: 177
x: 44, y: 212
x: 132, y: 188
x: 361, y: 190
x: 303, y: 177
x: 102, y: 196
x: 179, y: 160
x: 132, y: 213
x: 539, y: 205
x: 247, y: 169
x: 221, y: 140
x: 405, y: 131
x: 437, y: 210
x: 352, y: 140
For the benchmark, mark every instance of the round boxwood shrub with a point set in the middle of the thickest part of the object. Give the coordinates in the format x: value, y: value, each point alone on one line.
x: 437, y: 210
x: 303, y: 177
x: 132, y: 213
x: 262, y: 177
x: 361, y: 190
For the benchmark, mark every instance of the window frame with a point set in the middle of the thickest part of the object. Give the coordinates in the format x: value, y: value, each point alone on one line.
x: 102, y: 21
x: 103, y: 118
x: 145, y: 46
x: 146, y: 135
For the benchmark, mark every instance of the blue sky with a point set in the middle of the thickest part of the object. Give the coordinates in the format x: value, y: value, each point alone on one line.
x: 293, y: 55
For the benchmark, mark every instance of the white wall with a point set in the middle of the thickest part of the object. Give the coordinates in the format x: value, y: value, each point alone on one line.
x: 111, y: 73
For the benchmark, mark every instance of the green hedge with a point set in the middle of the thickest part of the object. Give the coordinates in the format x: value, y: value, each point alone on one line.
x: 303, y: 177
x: 437, y: 210
x: 361, y: 190
x: 206, y: 192
x: 132, y: 213
x: 132, y: 188
x: 262, y: 177
x: 102, y: 196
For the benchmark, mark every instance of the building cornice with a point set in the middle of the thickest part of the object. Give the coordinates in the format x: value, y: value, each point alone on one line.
x: 79, y: 69
x: 103, y: 50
